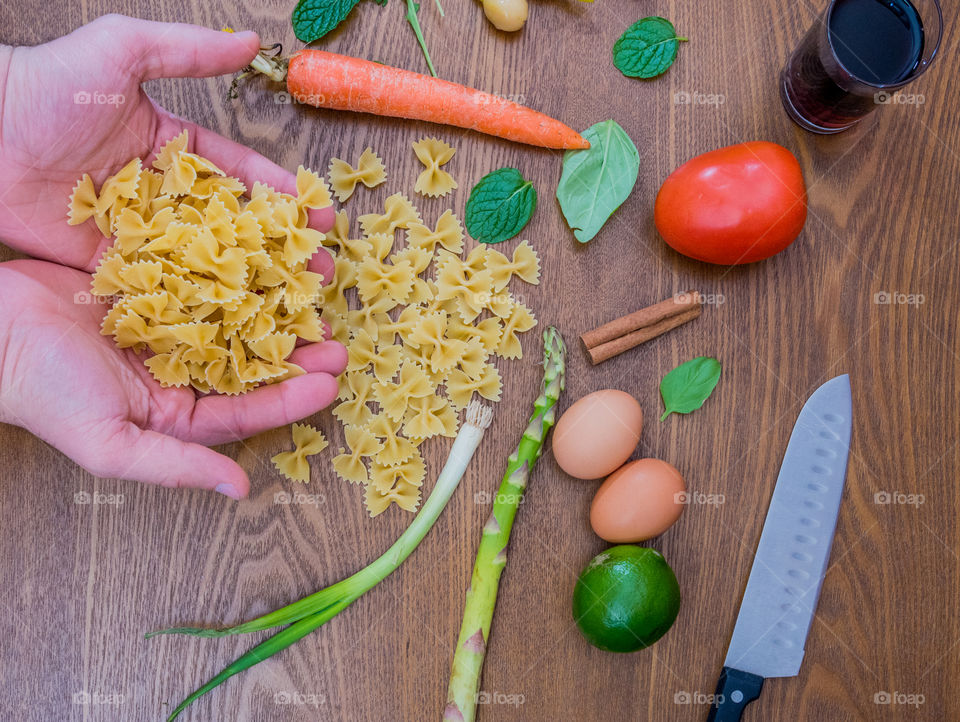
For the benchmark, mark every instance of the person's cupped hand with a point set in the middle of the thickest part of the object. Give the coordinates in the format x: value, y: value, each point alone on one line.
x: 65, y: 382
x: 75, y: 105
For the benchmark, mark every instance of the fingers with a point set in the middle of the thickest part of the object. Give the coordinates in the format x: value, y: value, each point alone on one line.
x: 156, y: 458
x: 320, y: 218
x: 325, y: 357
x: 322, y: 262
x: 177, y: 50
x: 219, y: 419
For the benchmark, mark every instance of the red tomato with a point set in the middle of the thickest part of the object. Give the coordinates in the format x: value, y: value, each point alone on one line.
x: 733, y: 205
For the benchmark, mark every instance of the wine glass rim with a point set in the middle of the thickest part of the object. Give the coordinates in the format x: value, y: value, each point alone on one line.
x: 922, y: 64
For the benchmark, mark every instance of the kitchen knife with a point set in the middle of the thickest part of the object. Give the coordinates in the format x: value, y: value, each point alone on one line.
x: 784, y: 584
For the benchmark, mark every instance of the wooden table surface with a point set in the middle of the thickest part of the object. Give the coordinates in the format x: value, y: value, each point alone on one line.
x: 83, y: 582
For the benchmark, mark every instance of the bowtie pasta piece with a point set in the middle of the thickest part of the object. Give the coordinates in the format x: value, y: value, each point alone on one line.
x: 333, y: 294
x: 83, y: 201
x: 338, y: 235
x: 430, y: 416
x: 307, y: 441
x: 384, y: 478
x: 404, y: 495
x: 440, y: 352
x: 379, y: 280
x: 362, y: 443
x: 470, y: 289
x: 395, y: 449
x: 363, y: 353
x: 344, y: 177
x: 525, y: 265
x: 448, y: 234
x: 434, y: 181
x: 521, y: 319
x: 398, y: 213
x: 460, y: 387
x: 312, y: 190
x: 356, y: 392
x: 393, y: 397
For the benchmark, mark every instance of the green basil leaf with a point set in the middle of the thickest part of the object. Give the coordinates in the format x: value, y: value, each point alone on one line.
x: 312, y: 19
x: 596, y: 181
x: 647, y: 48
x: 690, y: 384
x: 500, y: 205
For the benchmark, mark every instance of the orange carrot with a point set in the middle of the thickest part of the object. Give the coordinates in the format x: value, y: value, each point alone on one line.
x: 339, y: 82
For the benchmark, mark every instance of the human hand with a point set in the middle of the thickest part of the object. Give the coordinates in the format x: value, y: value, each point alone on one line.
x: 75, y: 106
x: 71, y: 386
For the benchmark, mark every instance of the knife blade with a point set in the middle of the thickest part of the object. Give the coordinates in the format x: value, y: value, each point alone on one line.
x: 787, y: 573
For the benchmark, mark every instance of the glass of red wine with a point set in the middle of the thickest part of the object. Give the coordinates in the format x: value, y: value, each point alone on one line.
x: 855, y: 57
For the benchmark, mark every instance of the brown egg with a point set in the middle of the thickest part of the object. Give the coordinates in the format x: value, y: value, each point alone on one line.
x: 597, y: 434
x: 639, y: 501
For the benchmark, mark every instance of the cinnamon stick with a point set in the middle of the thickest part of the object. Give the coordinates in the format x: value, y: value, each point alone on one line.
x: 650, y: 316
x: 605, y: 351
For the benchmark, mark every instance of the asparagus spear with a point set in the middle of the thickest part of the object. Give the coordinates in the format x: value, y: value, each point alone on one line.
x: 492, y: 552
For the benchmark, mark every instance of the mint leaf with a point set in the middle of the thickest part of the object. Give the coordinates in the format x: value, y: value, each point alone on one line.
x: 596, y: 181
x: 647, y: 48
x: 500, y: 205
x: 690, y: 384
x: 312, y: 19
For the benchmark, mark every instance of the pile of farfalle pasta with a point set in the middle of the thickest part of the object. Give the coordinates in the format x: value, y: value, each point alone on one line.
x: 215, y: 285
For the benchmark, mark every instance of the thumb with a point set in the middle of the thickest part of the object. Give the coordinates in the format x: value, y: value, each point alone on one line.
x: 177, y: 50
x: 156, y: 458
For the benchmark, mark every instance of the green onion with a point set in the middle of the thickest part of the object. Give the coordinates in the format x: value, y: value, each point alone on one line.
x: 319, y: 608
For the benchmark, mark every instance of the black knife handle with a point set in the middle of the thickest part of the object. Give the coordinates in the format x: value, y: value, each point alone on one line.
x: 735, y: 690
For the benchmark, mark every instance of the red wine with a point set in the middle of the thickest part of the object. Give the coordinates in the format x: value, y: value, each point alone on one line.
x: 877, y: 41
x: 831, y: 80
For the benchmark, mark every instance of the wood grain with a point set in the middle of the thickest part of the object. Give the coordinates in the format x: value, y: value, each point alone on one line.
x: 82, y: 582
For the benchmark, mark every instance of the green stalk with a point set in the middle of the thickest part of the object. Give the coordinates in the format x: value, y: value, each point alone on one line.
x: 267, y: 648
x: 412, y: 7
x: 317, y: 609
x: 492, y: 552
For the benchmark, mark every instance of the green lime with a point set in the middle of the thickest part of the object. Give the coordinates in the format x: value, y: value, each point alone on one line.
x: 626, y: 598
